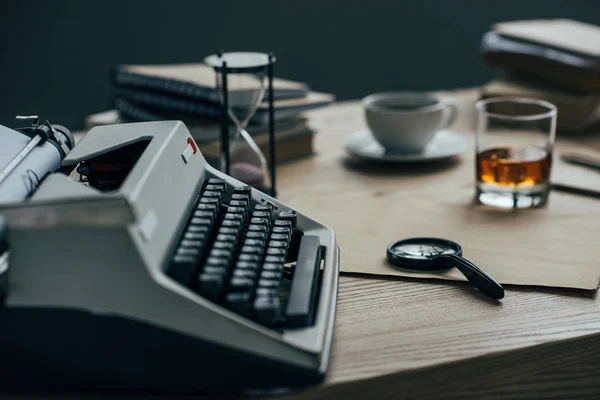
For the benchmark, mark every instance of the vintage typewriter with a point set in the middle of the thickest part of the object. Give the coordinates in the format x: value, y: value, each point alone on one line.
x: 154, y: 271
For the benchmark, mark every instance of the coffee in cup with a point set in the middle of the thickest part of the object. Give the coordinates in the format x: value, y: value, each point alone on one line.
x: 405, y: 122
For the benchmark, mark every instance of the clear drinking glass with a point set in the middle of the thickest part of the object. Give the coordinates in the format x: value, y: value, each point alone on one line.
x: 515, y: 141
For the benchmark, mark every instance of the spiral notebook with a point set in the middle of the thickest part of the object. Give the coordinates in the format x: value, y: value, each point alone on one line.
x: 193, y: 81
x: 131, y: 101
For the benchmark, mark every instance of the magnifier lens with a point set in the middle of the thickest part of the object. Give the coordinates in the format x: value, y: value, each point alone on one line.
x: 421, y: 251
x: 431, y: 254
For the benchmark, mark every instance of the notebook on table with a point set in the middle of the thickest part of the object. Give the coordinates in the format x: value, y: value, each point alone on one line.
x: 193, y: 81
x: 293, y: 138
x: 140, y: 104
x: 565, y: 34
x: 562, y: 51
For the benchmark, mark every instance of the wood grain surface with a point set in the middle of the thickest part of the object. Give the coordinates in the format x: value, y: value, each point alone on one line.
x: 415, y: 338
x: 406, y: 338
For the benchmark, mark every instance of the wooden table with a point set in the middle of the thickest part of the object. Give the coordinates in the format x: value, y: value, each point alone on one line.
x: 401, y: 338
x: 406, y: 338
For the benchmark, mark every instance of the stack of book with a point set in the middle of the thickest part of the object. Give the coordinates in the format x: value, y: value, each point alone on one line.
x: 187, y: 92
x: 554, y: 60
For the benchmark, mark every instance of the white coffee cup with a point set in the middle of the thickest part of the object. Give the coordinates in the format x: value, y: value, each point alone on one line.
x: 405, y: 122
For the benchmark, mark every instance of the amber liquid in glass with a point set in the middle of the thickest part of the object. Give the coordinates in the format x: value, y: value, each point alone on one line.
x: 514, y: 168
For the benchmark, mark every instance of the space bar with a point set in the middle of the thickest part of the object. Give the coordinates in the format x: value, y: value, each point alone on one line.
x: 302, y: 302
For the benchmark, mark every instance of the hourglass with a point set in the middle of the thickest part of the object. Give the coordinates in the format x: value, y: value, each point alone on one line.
x: 241, y: 86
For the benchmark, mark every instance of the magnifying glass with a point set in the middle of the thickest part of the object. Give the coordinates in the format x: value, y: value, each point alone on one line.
x: 431, y: 254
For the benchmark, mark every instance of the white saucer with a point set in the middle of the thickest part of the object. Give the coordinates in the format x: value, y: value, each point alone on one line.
x: 446, y: 143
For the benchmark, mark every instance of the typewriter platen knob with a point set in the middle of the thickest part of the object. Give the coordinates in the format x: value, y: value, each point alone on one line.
x: 64, y: 138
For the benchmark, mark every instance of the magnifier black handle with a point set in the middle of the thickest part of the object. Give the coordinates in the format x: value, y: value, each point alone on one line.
x: 478, y: 277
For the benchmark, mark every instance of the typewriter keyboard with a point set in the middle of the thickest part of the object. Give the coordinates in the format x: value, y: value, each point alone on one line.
x: 234, y: 253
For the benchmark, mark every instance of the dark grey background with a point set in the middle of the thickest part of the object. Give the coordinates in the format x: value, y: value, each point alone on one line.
x: 56, y: 54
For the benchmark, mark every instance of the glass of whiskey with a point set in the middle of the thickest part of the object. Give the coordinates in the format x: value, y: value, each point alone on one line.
x: 515, y: 141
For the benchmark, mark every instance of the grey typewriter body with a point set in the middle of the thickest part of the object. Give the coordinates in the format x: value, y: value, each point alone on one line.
x: 92, y: 303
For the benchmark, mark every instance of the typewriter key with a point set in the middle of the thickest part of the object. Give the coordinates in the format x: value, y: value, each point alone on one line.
x: 254, y: 258
x: 256, y: 235
x: 288, y: 215
x: 247, y: 190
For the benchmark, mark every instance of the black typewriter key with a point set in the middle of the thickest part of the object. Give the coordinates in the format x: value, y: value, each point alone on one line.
x: 208, y: 269
x: 241, y: 284
x: 219, y: 188
x: 210, y: 200
x: 281, y: 236
x: 247, y: 265
x: 283, y: 223
x: 204, y: 214
x: 220, y: 253
x: 265, y: 220
x: 235, y: 217
x: 254, y: 242
x: 210, y: 193
x: 198, y: 228
x: 269, y: 283
x: 182, y: 268
x: 247, y: 190
x: 252, y: 249
x: 184, y: 259
x: 241, y: 197
x: 210, y: 285
x: 239, y: 301
x: 194, y: 236
x: 276, y: 251
x: 207, y: 207
x: 240, y: 200
x: 271, y: 275
x: 238, y: 203
x: 187, y: 251
x: 223, y: 245
x: 217, y: 181
x: 244, y: 273
x: 266, y: 292
x: 226, y: 238
x: 256, y: 235
x: 239, y: 297
x: 253, y: 265
x: 263, y: 207
x: 257, y: 228
x: 265, y: 211
x: 231, y: 223
x: 288, y: 215
x: 217, y: 262
x: 277, y: 259
x: 260, y: 221
x: 194, y: 244
x: 281, y: 229
x: 236, y: 210
x: 262, y: 214
x: 267, y: 309
x: 249, y: 257
x: 201, y: 221
x: 229, y: 231
x: 273, y: 267
x: 282, y: 244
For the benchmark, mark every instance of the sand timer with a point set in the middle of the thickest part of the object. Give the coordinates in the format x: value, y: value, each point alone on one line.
x: 241, y: 84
